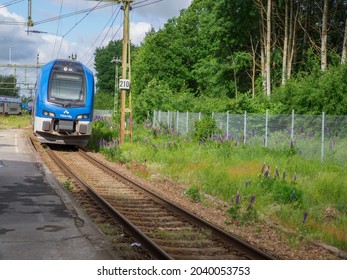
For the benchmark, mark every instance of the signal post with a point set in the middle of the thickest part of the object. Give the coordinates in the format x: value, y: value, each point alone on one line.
x: 124, y: 83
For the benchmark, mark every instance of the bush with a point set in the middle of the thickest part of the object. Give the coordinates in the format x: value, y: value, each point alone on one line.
x: 205, y: 129
x: 102, y: 129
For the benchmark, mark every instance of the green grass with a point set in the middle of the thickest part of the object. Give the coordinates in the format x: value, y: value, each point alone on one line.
x: 15, y: 121
x: 222, y: 170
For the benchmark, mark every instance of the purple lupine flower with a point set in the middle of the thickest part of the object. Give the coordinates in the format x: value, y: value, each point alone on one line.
x: 284, y: 176
x: 266, y: 174
x: 294, y: 178
x: 305, y: 217
x: 251, y: 202
x: 238, y: 198
x: 263, y: 168
x: 277, y: 173
x: 292, y: 197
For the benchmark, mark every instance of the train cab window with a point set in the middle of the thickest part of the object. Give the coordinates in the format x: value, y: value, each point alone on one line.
x: 67, y: 89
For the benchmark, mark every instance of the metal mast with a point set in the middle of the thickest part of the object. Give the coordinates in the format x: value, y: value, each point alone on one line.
x: 124, y: 83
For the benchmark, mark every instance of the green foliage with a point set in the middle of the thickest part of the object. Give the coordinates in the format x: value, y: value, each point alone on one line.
x: 103, y: 128
x: 11, y: 121
x: 105, y: 67
x: 315, y: 93
x: 223, y: 169
x: 8, y: 86
x: 67, y: 185
x: 205, y: 129
x: 104, y: 139
x: 194, y: 194
x: 112, y: 151
x: 104, y: 101
x: 208, y: 58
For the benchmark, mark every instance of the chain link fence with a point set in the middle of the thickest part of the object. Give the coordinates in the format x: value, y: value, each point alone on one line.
x: 317, y: 137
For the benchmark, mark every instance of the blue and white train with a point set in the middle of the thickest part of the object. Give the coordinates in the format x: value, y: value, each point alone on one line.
x: 63, y: 104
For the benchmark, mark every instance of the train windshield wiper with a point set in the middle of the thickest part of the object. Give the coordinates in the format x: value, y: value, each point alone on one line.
x: 73, y: 102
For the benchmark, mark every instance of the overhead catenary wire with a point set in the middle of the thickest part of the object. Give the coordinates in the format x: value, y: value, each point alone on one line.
x: 55, y: 41
x: 115, y: 17
x: 75, y: 26
x: 137, y: 5
x: 10, y: 3
x: 88, y: 10
x: 114, y: 35
x: 73, y: 13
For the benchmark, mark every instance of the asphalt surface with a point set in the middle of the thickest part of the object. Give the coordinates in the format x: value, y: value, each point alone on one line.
x: 39, y: 219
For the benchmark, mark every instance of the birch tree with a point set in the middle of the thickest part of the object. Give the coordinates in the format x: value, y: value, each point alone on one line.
x: 324, y: 36
x: 285, y: 45
x: 344, y: 46
x: 268, y: 48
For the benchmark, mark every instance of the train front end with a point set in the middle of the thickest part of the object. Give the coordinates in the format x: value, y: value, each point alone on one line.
x: 63, y: 106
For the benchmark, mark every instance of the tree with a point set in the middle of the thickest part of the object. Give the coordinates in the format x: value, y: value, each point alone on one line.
x: 324, y: 62
x: 8, y: 86
x: 268, y: 48
x: 344, y: 46
x: 105, y: 68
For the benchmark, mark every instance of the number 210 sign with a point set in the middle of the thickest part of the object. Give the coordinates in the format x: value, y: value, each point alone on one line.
x: 124, y: 84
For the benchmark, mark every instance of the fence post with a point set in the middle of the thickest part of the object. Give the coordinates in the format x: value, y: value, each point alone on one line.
x: 266, y: 126
x: 244, y: 128
x: 187, y: 122
x: 228, y: 125
x: 154, y: 114
x: 159, y: 117
x: 168, y: 119
x: 322, y: 150
x: 177, y: 115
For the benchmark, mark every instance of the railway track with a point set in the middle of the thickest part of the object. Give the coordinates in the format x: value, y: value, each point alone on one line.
x: 164, y: 229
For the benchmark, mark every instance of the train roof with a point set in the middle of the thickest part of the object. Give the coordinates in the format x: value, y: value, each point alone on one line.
x: 66, y: 65
x: 10, y: 99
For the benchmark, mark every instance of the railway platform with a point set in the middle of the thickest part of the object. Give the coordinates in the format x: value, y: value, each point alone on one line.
x: 39, y: 220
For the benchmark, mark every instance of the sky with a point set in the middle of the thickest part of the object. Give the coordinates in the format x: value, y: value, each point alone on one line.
x: 65, y: 29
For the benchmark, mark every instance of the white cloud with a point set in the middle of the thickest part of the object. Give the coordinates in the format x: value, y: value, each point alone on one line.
x: 81, y: 40
x: 18, y: 47
x: 138, y: 31
x: 158, y: 13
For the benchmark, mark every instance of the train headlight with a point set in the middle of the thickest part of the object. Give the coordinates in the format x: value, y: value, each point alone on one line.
x: 48, y: 114
x: 84, y: 116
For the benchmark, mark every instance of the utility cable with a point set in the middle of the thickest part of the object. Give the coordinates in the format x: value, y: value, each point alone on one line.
x: 73, y: 13
x: 136, y: 6
x: 76, y: 25
x: 10, y: 3
x: 103, y: 41
x: 55, y: 40
x: 102, y: 31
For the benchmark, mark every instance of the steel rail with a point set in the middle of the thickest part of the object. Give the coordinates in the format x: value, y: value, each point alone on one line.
x: 154, y: 250
x: 251, y: 251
